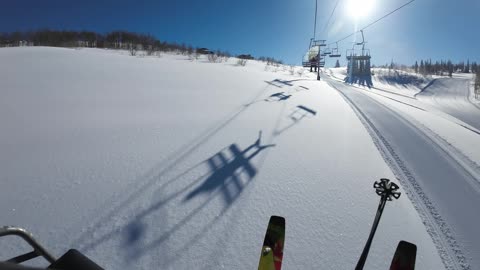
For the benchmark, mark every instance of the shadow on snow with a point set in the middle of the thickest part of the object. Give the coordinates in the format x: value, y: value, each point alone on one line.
x: 300, y: 112
x: 225, y: 173
x: 226, y: 177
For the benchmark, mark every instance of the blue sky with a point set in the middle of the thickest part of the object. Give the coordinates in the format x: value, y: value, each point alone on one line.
x: 436, y: 29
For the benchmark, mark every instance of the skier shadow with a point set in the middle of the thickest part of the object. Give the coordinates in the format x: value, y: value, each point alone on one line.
x: 277, y: 97
x: 300, y: 112
x: 226, y: 176
x: 225, y: 173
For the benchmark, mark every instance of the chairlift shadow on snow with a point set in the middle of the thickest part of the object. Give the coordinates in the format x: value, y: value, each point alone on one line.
x: 397, y: 78
x: 281, y: 83
x: 90, y: 238
x: 301, y: 88
x: 226, y: 177
x: 300, y: 112
x: 226, y: 173
x: 360, y: 80
x: 277, y: 97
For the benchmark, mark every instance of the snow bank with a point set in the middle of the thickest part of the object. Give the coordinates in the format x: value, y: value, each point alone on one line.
x: 394, y: 81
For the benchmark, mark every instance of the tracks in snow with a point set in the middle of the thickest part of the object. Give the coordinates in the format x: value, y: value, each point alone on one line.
x: 437, y: 226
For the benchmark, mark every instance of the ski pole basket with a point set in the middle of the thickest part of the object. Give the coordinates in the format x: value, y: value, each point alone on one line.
x: 387, y: 191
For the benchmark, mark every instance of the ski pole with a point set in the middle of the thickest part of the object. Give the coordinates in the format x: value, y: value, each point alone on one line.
x: 387, y: 191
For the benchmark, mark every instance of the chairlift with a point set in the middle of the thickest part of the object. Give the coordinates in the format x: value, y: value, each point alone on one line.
x: 363, y: 39
x: 335, y: 52
x: 326, y: 52
x: 353, y: 51
x: 312, y: 57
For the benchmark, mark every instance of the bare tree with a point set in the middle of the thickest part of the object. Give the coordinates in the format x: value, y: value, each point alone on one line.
x: 132, y: 49
x: 242, y: 62
x: 292, y: 70
x: 150, y: 50
x: 300, y: 71
x: 213, y: 58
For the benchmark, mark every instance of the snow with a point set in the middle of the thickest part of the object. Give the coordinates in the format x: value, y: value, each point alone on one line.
x: 442, y: 191
x: 443, y: 169
x: 389, y: 81
x: 443, y: 108
x: 152, y: 163
x: 452, y: 97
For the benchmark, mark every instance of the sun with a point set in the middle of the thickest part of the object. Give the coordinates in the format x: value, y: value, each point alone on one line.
x: 360, y: 8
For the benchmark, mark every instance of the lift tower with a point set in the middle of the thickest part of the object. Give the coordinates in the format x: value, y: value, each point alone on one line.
x: 358, y: 69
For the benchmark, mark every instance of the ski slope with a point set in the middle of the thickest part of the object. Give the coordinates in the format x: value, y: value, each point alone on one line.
x: 166, y: 163
x: 452, y: 96
x: 444, y: 192
x: 393, y: 82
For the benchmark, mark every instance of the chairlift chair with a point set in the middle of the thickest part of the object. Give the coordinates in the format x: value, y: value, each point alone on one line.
x: 312, y: 57
x: 363, y: 39
x: 335, y: 52
x: 326, y: 52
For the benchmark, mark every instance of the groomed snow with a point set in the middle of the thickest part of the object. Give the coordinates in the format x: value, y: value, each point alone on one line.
x: 152, y: 163
x: 389, y: 81
x: 431, y: 139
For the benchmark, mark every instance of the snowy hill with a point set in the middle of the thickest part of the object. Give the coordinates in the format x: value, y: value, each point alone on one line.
x: 393, y: 81
x: 429, y: 140
x: 167, y: 163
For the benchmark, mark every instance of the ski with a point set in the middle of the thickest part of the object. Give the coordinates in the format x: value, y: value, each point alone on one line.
x: 272, y: 248
x: 404, y: 258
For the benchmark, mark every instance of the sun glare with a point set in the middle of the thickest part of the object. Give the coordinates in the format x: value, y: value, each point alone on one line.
x: 360, y: 8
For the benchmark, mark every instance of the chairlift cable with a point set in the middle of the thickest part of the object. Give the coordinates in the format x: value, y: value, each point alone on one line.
x: 388, y: 14
x: 315, y: 23
x: 331, y: 15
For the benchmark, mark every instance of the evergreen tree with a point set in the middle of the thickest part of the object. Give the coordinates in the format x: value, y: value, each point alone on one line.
x: 416, y: 66
x: 477, y: 84
x: 474, y: 67
x: 337, y: 64
x: 450, y: 68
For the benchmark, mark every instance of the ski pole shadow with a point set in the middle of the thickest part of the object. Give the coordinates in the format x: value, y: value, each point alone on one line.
x: 300, y: 112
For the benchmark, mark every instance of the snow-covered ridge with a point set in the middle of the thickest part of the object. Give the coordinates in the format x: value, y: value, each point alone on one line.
x: 394, y: 81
